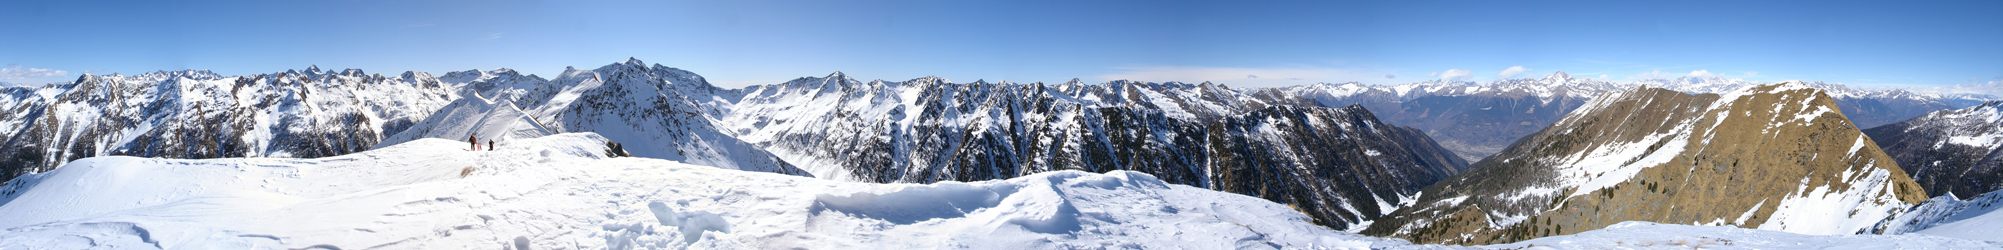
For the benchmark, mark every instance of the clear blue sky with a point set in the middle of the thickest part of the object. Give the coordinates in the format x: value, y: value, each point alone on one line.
x: 735, y: 43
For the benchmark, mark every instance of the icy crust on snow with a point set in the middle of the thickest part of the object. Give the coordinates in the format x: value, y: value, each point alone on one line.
x: 560, y: 192
x: 1649, y: 235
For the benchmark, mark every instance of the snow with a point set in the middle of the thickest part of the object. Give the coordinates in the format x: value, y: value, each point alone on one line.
x: 1974, y: 218
x: 1978, y: 141
x: 1854, y: 146
x: 560, y: 191
x: 1608, y: 166
x: 1981, y: 222
x: 1824, y: 210
x: 1649, y: 235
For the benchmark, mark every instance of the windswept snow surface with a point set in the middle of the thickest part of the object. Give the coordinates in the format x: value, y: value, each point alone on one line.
x: 1973, y: 218
x: 560, y: 192
x: 1649, y: 235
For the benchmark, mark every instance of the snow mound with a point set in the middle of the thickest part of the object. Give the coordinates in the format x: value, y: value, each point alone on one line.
x: 560, y: 191
x: 1974, y: 218
x: 1649, y: 235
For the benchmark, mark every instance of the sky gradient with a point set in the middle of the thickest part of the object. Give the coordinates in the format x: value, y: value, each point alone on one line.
x: 738, y: 43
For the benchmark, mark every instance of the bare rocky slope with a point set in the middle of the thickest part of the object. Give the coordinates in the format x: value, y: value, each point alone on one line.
x: 1779, y: 157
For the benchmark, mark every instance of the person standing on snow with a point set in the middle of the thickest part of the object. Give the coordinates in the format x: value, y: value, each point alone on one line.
x: 490, y: 144
x: 475, y: 141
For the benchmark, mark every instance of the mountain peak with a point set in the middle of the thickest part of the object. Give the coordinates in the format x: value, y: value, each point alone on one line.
x: 1560, y: 75
x: 633, y: 61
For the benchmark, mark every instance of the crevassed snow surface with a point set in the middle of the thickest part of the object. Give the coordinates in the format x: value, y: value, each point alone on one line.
x: 560, y: 192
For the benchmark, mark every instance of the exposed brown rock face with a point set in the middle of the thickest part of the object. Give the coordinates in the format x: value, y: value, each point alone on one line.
x: 1778, y: 157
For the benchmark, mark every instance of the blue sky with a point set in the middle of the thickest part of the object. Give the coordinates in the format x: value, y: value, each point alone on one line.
x: 736, y: 43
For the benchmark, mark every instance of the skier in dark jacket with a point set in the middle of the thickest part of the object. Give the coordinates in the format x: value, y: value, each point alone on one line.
x: 490, y: 144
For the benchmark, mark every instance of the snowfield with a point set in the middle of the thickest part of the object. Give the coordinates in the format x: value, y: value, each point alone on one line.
x: 1650, y: 235
x: 561, y: 192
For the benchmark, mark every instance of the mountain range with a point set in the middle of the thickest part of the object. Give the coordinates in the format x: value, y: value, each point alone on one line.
x: 1552, y: 155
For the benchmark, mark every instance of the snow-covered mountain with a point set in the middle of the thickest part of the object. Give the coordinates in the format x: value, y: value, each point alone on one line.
x: 1476, y: 120
x: 433, y: 194
x: 198, y: 114
x: 667, y: 113
x: 1337, y: 152
x: 1947, y: 215
x: 1340, y: 164
x: 564, y: 194
x: 1473, y: 120
x: 1950, y: 151
x: 1749, y: 158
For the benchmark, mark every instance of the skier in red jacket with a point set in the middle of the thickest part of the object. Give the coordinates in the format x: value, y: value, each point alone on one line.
x: 475, y: 141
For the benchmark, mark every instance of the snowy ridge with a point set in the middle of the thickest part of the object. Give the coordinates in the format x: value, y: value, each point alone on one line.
x: 1974, y: 127
x: 1950, y: 151
x: 1666, y: 156
x: 930, y: 129
x: 198, y: 114
x: 1973, y: 218
x: 565, y: 194
x: 664, y: 112
x: 474, y: 116
x: 560, y: 191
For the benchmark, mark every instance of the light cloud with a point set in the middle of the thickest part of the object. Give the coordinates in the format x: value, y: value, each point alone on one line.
x: 415, y: 25
x: 1390, y: 76
x: 1655, y: 74
x: 1511, y: 72
x: 1434, y: 74
x: 1701, y: 73
x: 1604, y: 77
x: 18, y: 72
x: 1245, y: 77
x: 1992, y: 88
x: 494, y: 36
x: 1456, y: 74
x: 1752, y: 73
